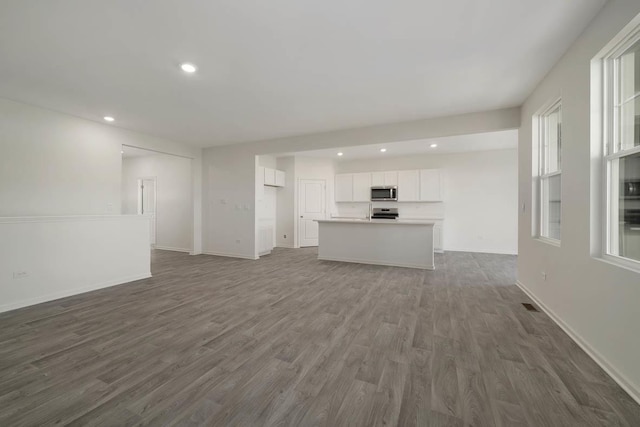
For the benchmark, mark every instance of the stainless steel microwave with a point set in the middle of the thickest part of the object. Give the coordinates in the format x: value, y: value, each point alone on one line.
x: 386, y: 193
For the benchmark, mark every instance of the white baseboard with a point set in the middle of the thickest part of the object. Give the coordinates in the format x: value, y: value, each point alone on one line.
x: 230, y: 255
x: 480, y: 251
x: 169, y: 248
x: 617, y: 376
x: 285, y: 245
x: 364, y: 261
x: 71, y: 292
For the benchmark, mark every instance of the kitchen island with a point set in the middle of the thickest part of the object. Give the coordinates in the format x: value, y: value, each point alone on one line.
x: 386, y: 242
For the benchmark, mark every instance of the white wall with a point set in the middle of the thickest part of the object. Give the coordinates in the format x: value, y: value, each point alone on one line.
x: 174, y: 208
x: 286, y: 201
x: 266, y: 206
x: 45, y: 258
x: 229, y: 189
x: 596, y: 302
x: 480, y: 191
x: 55, y: 164
x: 229, y: 171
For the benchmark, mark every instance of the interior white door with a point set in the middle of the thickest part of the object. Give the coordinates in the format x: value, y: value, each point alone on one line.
x: 147, y: 204
x: 311, y: 206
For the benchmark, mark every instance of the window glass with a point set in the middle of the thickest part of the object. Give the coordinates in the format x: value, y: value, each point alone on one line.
x: 552, y: 135
x: 549, y: 180
x: 552, y: 207
x: 627, y: 100
x: 629, y: 207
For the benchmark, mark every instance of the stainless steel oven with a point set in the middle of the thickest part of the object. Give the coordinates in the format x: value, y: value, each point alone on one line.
x: 386, y: 193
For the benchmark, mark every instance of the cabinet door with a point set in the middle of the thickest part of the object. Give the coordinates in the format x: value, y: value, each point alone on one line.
x: 279, y: 178
x: 361, y: 187
x: 408, y: 186
x: 269, y: 176
x: 437, y: 239
x: 391, y: 178
x: 377, y: 179
x: 430, y: 185
x: 344, y: 187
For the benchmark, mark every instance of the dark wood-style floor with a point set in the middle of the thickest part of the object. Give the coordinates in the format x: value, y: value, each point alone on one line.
x: 290, y: 340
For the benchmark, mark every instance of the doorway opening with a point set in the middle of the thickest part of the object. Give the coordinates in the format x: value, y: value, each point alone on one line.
x: 147, y: 197
x: 160, y: 187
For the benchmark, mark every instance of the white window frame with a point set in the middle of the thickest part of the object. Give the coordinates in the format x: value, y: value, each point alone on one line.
x: 607, y: 74
x: 541, y: 223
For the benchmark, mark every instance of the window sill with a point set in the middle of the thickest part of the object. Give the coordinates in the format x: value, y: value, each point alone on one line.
x: 548, y: 241
x: 616, y: 261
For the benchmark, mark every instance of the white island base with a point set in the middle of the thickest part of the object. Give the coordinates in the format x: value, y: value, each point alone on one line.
x: 383, y: 242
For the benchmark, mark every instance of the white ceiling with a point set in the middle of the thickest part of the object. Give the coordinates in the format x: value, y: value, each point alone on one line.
x: 278, y: 68
x: 453, y: 144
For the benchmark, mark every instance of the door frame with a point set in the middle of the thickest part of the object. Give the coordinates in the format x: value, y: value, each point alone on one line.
x: 155, y: 203
x: 298, y: 199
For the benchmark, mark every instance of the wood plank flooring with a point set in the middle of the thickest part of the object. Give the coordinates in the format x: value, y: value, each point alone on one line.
x: 292, y: 341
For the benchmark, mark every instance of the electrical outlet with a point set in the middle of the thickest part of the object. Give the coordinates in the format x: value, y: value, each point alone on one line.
x: 20, y: 274
x: 237, y: 240
x: 544, y: 276
x: 285, y: 236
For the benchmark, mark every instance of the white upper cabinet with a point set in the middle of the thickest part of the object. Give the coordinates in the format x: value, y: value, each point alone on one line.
x: 377, y: 179
x: 279, y: 178
x: 272, y: 177
x: 413, y: 185
x: 269, y: 176
x: 409, y: 186
x: 391, y: 178
x: 344, y: 187
x: 361, y: 187
x: 430, y: 185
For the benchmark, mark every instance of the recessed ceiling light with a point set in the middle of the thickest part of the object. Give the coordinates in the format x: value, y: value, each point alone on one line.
x: 433, y: 145
x: 382, y: 150
x: 109, y: 118
x: 121, y: 151
x: 188, y: 68
x: 340, y: 154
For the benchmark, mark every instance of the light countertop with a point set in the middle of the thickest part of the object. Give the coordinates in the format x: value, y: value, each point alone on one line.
x: 378, y: 221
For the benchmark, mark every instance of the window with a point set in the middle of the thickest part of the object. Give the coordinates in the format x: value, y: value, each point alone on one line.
x: 549, y: 172
x: 622, y: 149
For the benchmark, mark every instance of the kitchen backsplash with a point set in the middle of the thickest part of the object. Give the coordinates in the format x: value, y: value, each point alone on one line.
x: 406, y: 210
